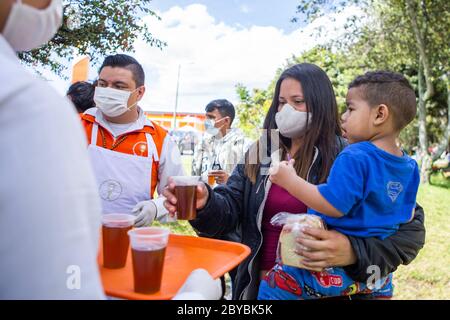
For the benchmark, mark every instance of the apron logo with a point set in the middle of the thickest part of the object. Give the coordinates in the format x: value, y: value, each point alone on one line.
x: 139, y: 148
x: 394, y: 189
x: 110, y: 190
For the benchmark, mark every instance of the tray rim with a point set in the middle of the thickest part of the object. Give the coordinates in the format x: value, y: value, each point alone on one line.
x: 177, y: 238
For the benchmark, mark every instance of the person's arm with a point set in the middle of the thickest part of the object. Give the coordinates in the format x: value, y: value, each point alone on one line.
x: 169, y: 165
x: 310, y: 196
x: 335, y: 198
x: 356, y: 255
x: 49, y: 193
x: 222, y: 211
x: 218, y: 210
x: 400, y: 248
x: 221, y: 176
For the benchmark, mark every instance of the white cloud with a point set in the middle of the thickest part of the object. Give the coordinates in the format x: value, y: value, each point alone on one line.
x: 244, y: 8
x: 214, y: 57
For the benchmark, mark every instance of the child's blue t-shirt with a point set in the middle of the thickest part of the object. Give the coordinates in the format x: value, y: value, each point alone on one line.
x: 375, y: 190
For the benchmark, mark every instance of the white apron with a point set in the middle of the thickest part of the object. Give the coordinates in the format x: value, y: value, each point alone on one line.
x: 123, y: 179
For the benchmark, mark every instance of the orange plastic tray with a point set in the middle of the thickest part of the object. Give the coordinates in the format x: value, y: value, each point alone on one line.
x: 183, y: 254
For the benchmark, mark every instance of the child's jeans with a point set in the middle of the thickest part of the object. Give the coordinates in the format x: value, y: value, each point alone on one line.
x: 291, y: 283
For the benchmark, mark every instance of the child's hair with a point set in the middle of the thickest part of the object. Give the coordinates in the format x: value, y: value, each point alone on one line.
x: 391, y: 89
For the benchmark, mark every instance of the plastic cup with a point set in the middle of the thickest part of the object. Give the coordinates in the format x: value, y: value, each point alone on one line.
x: 211, y: 179
x: 115, y: 239
x: 186, y: 193
x: 148, y: 249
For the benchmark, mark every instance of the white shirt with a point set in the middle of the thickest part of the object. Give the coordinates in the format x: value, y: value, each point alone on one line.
x: 49, y: 205
x: 227, y: 151
x: 170, y: 163
x: 119, y: 128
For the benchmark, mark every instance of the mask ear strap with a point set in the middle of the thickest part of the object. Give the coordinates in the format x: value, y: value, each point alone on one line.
x: 221, y: 119
x: 134, y: 104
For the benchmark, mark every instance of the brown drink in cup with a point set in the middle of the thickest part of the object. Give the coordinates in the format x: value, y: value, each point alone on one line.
x: 115, y: 239
x: 144, y: 260
x: 148, y: 248
x: 211, y: 180
x: 186, y: 194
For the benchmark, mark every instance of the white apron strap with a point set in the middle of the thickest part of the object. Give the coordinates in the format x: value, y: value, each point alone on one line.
x: 94, y: 134
x: 152, y: 151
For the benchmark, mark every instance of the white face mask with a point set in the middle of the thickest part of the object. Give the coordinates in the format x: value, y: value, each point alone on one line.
x: 292, y: 123
x: 28, y: 28
x: 210, y: 128
x: 112, y: 102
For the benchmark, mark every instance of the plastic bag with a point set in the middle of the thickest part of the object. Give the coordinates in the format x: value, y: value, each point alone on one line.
x: 293, y: 226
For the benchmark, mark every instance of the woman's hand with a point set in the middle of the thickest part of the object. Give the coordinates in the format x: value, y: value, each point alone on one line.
x: 220, y: 176
x: 328, y: 249
x: 171, y: 200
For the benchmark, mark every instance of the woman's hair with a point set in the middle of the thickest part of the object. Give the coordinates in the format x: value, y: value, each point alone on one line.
x: 322, y: 130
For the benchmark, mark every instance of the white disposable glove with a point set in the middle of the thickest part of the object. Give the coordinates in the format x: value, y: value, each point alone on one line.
x: 146, y: 212
x: 199, y: 285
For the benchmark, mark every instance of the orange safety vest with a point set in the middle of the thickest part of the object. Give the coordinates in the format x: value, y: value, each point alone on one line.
x: 132, y: 140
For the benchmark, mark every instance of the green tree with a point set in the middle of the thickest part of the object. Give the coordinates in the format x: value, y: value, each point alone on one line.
x: 254, y: 105
x: 338, y: 67
x: 417, y: 33
x: 95, y: 28
x: 425, y: 18
x: 251, y: 109
x: 408, y: 36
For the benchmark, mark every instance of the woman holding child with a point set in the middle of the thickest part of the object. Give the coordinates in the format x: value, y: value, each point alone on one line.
x: 304, y: 119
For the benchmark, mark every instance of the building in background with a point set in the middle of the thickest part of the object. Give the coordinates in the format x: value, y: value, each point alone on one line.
x: 80, y: 69
x: 189, y: 120
x: 188, y: 127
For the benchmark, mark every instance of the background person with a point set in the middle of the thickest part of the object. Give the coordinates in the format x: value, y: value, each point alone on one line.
x: 131, y: 155
x: 81, y: 93
x: 50, y: 210
x: 222, y: 146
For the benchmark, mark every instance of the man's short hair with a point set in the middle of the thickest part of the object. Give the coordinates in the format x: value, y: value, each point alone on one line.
x: 223, y: 106
x: 127, y: 62
x: 82, y: 95
x: 391, y: 89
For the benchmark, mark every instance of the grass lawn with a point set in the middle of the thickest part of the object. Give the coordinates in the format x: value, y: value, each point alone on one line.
x: 428, y: 276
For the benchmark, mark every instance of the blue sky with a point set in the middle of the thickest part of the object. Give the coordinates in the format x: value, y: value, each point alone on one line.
x: 277, y: 13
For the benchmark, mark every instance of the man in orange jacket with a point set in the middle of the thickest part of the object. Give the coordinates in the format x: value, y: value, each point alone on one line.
x: 131, y: 155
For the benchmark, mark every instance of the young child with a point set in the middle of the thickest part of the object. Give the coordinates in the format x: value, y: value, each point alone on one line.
x: 370, y: 191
